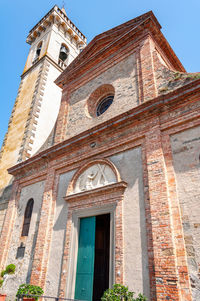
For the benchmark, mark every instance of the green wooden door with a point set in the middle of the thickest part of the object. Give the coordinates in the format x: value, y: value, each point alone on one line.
x: 85, y: 260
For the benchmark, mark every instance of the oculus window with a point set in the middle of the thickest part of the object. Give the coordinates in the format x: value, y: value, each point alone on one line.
x: 104, y: 104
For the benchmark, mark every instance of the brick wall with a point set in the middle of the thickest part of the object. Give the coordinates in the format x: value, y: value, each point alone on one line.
x: 123, y: 79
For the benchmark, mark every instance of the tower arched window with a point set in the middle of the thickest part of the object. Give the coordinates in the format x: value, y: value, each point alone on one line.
x: 38, y: 50
x: 27, y: 217
x: 64, y: 52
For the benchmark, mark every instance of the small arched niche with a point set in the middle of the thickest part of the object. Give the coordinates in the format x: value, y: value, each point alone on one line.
x: 94, y: 175
x: 27, y: 217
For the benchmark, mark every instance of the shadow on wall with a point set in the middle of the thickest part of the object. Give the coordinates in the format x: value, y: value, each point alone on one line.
x: 5, y: 193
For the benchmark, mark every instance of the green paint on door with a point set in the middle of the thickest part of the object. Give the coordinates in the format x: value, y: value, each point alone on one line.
x: 85, y: 260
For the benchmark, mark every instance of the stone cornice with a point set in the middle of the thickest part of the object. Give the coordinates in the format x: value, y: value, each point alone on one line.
x: 59, y: 17
x: 41, y: 60
x: 115, y: 188
x: 145, y: 110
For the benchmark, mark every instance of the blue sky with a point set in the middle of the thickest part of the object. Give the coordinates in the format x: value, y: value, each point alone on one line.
x: 179, y: 21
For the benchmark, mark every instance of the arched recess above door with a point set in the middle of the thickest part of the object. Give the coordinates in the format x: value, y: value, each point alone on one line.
x: 95, y: 174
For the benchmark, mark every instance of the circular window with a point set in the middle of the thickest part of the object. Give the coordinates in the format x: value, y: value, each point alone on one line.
x: 100, y: 100
x: 104, y: 104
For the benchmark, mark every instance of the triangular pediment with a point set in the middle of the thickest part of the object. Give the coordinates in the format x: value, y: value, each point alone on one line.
x: 103, y: 41
x: 94, y: 52
x: 106, y: 38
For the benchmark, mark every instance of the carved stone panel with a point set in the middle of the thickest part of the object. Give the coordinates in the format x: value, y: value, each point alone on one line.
x: 95, y: 176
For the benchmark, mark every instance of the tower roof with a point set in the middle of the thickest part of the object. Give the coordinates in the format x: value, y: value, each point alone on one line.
x: 63, y: 10
x: 58, y: 16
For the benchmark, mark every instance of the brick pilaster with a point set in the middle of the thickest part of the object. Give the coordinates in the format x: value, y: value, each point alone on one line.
x: 8, y: 225
x: 165, y: 277
x: 180, y: 251
x: 145, y: 72
x: 42, y: 249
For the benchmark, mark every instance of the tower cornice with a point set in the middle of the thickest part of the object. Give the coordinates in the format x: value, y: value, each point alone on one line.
x: 46, y: 56
x: 58, y: 17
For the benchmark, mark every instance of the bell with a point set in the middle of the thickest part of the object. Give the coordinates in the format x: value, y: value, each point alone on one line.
x: 63, y: 53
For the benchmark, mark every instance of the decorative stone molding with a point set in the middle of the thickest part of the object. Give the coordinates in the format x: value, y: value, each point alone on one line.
x: 93, y: 175
x: 96, y: 96
x: 31, y: 123
x: 107, y: 199
x: 116, y: 189
x: 58, y: 17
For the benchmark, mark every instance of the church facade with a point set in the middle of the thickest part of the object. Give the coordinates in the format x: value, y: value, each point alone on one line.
x: 110, y: 193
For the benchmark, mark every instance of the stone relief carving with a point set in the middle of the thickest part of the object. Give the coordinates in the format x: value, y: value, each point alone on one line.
x: 95, y: 176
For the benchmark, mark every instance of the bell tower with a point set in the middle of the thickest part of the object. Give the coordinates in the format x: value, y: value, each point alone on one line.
x: 54, y: 42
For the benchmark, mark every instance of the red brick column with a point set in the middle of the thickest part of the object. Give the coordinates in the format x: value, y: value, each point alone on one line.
x: 145, y: 72
x: 8, y: 225
x: 42, y: 249
x: 181, y: 257
x: 165, y: 275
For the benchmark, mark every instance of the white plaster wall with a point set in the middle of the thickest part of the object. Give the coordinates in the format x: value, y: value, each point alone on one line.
x: 49, y: 110
x: 186, y: 161
x: 58, y: 237
x: 24, y: 265
x: 136, y: 270
x: 52, y: 40
x: 44, y: 37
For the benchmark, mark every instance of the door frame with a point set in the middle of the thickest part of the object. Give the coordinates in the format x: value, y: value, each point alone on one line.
x: 76, y: 216
x: 106, y: 199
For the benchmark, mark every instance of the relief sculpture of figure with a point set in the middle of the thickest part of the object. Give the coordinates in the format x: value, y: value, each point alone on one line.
x: 94, y: 177
x: 90, y: 178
